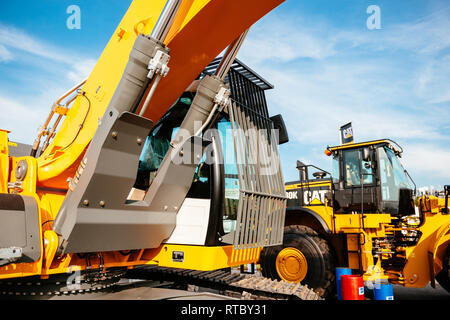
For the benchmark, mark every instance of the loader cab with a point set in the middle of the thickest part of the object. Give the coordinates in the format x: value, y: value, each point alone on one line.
x: 368, y: 177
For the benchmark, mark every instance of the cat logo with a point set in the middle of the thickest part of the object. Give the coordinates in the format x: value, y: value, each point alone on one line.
x: 347, y: 133
x: 314, y: 197
x: 292, y: 195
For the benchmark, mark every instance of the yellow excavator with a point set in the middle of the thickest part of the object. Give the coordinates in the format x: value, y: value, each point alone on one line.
x: 361, y: 216
x: 130, y: 167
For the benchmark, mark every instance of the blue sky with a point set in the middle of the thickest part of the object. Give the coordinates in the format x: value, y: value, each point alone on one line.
x: 328, y: 69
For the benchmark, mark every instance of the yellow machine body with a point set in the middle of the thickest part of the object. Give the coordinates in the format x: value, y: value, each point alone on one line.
x: 202, y: 29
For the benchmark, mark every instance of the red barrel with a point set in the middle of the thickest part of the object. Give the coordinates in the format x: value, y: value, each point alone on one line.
x: 352, y: 287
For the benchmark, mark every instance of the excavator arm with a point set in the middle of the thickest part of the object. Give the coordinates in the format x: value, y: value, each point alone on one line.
x: 201, y: 30
x: 69, y: 201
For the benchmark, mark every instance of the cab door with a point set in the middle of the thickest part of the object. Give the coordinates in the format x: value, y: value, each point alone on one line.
x: 356, y: 190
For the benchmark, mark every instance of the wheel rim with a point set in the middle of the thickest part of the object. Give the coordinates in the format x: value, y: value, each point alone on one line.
x: 291, y: 265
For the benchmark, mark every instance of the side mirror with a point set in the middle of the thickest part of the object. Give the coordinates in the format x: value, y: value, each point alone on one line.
x: 366, y: 154
x: 279, y: 125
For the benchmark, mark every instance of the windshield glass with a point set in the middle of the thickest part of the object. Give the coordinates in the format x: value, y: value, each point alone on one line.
x: 158, y: 142
x: 335, y: 169
x: 400, y: 176
x: 392, y: 174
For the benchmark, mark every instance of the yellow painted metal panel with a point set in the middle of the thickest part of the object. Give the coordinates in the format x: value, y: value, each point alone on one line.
x: 202, y: 258
x: 4, y: 161
x: 310, y: 184
x: 355, y: 145
x: 354, y: 221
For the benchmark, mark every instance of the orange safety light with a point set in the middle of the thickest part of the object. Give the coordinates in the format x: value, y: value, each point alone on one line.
x: 328, y: 152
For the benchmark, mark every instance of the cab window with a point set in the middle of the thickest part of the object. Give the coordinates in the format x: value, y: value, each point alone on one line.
x: 335, y: 169
x: 232, y: 185
x: 354, y: 166
x: 157, y: 145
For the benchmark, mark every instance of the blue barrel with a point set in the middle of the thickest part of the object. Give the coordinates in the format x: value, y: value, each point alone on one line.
x: 340, y: 272
x: 383, y: 291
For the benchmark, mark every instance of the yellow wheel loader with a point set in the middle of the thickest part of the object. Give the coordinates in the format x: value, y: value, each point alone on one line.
x: 361, y: 216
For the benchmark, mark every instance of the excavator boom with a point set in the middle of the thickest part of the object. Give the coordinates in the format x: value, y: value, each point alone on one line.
x: 72, y: 204
x: 201, y: 30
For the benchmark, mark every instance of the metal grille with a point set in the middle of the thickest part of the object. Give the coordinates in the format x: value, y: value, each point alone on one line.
x: 248, y: 93
x: 241, y: 68
x: 262, y: 200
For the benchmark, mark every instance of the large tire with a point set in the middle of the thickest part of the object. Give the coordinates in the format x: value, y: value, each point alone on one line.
x: 443, y: 277
x: 315, y: 250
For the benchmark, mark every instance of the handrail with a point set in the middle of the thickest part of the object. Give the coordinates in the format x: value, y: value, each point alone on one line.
x: 43, y: 130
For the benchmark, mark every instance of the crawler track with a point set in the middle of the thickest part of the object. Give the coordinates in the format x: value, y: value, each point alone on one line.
x: 232, y: 284
x: 248, y: 287
x: 61, y: 284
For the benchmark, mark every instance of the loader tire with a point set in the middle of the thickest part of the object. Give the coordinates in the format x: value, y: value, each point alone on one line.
x: 443, y: 277
x: 304, y: 257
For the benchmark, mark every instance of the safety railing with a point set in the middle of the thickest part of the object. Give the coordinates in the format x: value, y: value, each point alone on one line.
x: 262, y: 197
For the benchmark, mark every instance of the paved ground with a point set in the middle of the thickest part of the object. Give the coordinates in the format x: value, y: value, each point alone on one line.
x: 427, y: 293
x: 149, y: 290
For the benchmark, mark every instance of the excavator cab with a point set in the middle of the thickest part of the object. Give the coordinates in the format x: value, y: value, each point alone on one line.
x: 368, y: 177
x: 211, y: 204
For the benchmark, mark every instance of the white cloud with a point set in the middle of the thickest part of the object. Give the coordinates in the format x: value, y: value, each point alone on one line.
x: 19, y: 118
x: 17, y: 39
x: 278, y: 39
x: 74, y: 67
x: 432, y: 80
x: 422, y: 37
x: 345, y: 78
x: 426, y: 36
x: 286, y: 37
x: 335, y: 94
x: 5, y: 54
x: 391, y: 83
x: 428, y: 160
x: 81, y: 70
x: 25, y: 112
